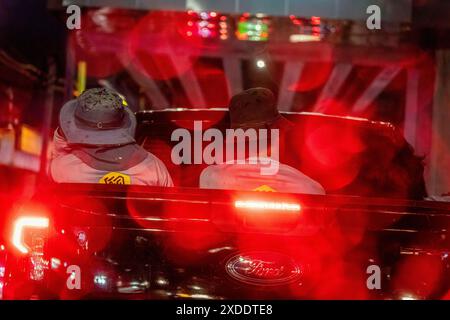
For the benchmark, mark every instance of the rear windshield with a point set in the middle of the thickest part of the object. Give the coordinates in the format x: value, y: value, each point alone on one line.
x: 318, y: 154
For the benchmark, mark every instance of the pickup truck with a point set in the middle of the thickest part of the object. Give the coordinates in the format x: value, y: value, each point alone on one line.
x: 373, y: 235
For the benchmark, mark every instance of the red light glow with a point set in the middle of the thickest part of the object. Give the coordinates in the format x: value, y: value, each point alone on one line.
x: 26, y: 222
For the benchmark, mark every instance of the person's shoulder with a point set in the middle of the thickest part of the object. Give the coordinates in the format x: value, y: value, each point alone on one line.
x: 214, y: 169
x: 59, y: 167
x: 152, y: 164
x: 301, y: 178
x: 285, y: 168
x: 212, y: 174
x: 151, y: 159
x: 66, y: 159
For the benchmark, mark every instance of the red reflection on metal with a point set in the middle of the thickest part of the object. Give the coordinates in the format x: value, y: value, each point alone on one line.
x: 336, y: 161
x: 184, y: 225
x: 156, y: 42
x: 419, y: 275
x: 101, y: 41
x: 79, y: 213
x: 327, y: 270
x: 313, y: 76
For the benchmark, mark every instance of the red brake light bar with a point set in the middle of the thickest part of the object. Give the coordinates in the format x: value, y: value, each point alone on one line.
x: 267, y: 205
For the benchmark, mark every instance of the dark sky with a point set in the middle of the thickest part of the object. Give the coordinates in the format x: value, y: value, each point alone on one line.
x: 30, y: 32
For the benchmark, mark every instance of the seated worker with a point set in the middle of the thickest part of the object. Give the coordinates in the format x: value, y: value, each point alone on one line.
x: 255, y: 109
x: 95, y: 144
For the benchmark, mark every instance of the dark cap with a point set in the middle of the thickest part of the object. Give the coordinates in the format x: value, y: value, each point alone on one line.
x: 98, y: 117
x: 253, y: 108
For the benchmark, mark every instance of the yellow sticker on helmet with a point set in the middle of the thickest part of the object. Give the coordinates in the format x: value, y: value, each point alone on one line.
x: 265, y: 188
x: 115, y: 178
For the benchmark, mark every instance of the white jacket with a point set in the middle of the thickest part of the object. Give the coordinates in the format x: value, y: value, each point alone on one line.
x: 66, y: 167
x: 232, y: 176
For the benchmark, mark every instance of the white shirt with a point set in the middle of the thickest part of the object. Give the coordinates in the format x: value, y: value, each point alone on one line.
x: 232, y: 176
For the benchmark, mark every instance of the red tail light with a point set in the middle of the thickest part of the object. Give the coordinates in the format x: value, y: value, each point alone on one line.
x: 29, y: 236
x: 21, y: 225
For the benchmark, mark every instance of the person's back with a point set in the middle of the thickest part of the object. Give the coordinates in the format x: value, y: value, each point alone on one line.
x: 95, y: 144
x: 255, y: 109
x: 233, y: 176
